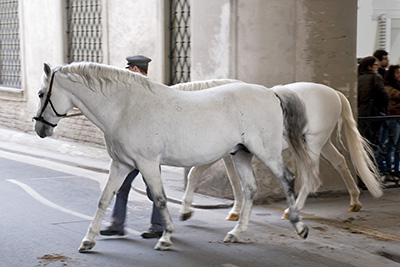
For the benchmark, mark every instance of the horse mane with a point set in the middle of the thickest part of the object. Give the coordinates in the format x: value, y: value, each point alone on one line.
x: 200, y: 85
x: 103, y: 74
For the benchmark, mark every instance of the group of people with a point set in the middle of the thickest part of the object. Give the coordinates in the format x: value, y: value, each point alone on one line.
x: 378, y: 96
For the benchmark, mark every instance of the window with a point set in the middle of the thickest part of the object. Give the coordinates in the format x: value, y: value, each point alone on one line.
x: 84, y: 30
x: 10, y: 62
x: 179, y: 41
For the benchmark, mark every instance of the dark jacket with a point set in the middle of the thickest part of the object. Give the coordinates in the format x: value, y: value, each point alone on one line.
x: 394, y: 100
x: 372, y: 96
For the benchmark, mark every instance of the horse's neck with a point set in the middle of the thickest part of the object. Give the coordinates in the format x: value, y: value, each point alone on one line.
x: 107, y: 109
x: 98, y: 108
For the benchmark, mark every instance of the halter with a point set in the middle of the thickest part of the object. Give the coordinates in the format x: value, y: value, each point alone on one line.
x: 47, y: 101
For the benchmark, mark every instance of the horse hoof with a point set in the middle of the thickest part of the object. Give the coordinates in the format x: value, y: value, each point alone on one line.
x: 285, y: 215
x: 301, y: 229
x: 86, y: 245
x: 186, y: 216
x: 355, y: 208
x: 233, y: 217
x: 304, y: 233
x: 163, y: 245
x: 230, y: 238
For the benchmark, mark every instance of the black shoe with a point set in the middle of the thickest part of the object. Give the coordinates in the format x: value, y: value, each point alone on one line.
x: 152, y: 234
x: 111, y: 231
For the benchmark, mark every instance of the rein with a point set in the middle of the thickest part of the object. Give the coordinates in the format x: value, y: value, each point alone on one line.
x: 47, y: 101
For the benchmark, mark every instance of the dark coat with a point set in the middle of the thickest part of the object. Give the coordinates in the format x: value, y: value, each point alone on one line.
x: 372, y: 96
x: 394, y: 100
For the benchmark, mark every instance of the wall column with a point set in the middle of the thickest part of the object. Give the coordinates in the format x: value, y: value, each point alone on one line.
x: 270, y: 43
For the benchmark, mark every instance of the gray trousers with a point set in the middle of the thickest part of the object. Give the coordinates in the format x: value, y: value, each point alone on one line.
x: 119, y: 211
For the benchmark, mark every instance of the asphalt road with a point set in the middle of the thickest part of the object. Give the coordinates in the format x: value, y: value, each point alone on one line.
x: 45, y: 212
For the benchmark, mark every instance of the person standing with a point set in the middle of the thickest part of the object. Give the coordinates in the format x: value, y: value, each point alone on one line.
x: 383, y: 61
x: 372, y: 101
x: 140, y: 65
x: 392, y: 86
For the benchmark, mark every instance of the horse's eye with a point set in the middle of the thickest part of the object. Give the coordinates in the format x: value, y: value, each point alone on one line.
x: 40, y: 95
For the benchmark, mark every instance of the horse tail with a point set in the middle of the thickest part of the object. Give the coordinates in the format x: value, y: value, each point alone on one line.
x: 361, y: 153
x: 295, y: 122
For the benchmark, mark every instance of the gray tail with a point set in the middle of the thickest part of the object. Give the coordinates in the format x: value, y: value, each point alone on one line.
x: 295, y: 122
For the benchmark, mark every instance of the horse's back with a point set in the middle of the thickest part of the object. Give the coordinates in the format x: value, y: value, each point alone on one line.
x: 208, y: 122
x: 323, y: 105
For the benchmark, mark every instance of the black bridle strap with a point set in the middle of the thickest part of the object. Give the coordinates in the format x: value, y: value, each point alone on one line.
x: 47, y: 101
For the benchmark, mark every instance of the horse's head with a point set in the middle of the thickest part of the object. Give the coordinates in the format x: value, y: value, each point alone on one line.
x: 53, y: 104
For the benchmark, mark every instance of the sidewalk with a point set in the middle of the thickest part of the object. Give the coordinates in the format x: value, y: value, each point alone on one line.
x: 96, y: 159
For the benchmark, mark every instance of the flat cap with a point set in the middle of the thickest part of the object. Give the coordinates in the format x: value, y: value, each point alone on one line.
x: 138, y: 60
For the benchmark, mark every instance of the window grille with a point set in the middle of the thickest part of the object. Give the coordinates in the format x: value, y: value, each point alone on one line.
x: 84, y: 30
x: 10, y: 62
x: 179, y: 41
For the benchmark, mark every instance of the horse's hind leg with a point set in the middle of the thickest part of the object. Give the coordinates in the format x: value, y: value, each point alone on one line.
x: 242, y: 161
x: 314, y: 151
x: 286, y: 179
x: 193, y: 181
x: 234, y: 179
x: 116, y: 177
x: 337, y: 160
x: 300, y: 201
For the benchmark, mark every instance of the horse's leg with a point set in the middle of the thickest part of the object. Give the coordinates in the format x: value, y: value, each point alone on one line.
x: 242, y: 161
x: 151, y: 172
x: 234, y: 179
x: 193, y: 180
x: 286, y: 179
x: 300, y: 201
x: 314, y: 151
x: 116, y: 177
x: 337, y: 160
x: 315, y: 143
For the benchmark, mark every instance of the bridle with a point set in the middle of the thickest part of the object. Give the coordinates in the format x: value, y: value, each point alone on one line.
x: 47, y: 101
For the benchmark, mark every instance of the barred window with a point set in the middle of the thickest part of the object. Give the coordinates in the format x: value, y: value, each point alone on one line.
x: 10, y: 62
x: 179, y: 41
x: 84, y: 30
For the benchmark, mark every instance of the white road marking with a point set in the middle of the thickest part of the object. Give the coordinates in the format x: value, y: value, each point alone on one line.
x: 47, y: 202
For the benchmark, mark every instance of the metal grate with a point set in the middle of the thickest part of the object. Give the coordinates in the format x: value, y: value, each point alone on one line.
x: 10, y: 63
x: 179, y: 41
x: 84, y: 30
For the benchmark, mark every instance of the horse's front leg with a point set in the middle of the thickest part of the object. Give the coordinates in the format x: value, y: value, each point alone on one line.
x: 193, y: 180
x: 234, y: 179
x: 115, y: 179
x: 242, y: 161
x: 152, y: 175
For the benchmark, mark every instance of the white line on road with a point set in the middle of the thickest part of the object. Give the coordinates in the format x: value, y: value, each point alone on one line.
x: 47, y: 202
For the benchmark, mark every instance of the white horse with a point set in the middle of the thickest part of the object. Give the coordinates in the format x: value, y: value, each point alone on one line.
x: 147, y: 124
x: 326, y: 108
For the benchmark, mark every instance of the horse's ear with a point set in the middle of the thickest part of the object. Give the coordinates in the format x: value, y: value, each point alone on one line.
x: 47, y: 69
